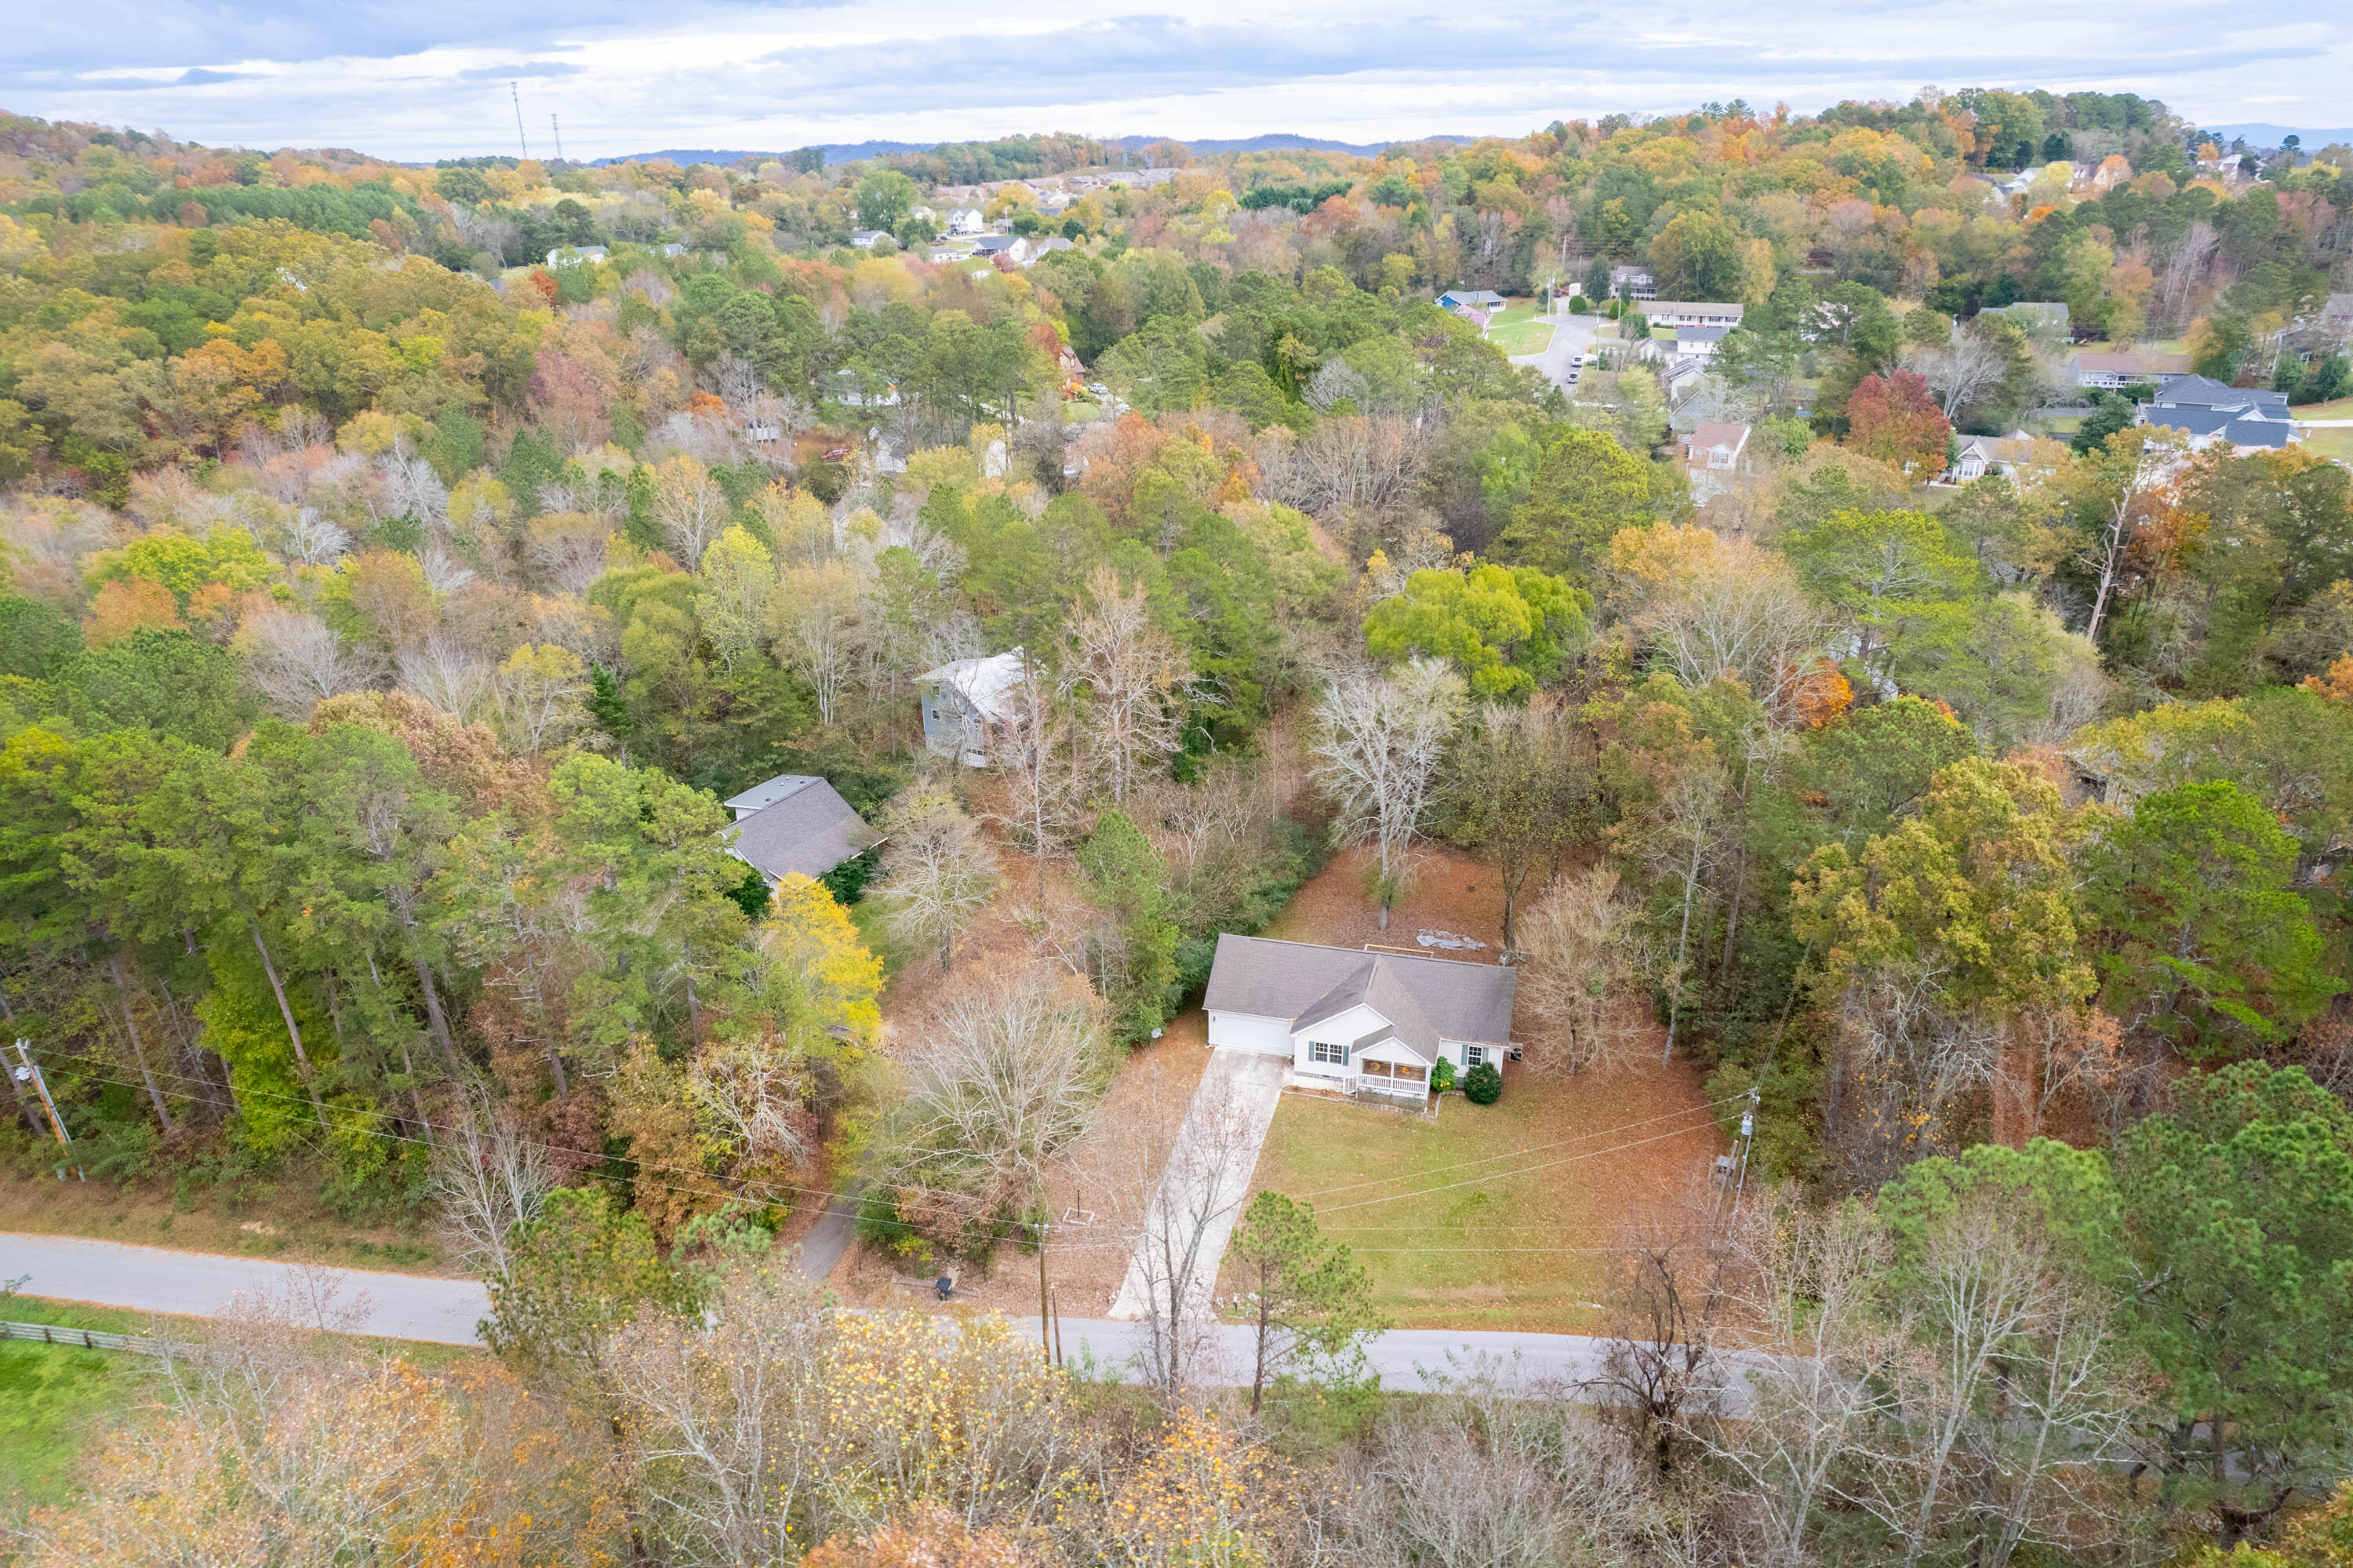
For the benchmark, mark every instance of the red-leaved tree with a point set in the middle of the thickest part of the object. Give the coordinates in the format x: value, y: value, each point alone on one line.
x: 1895, y: 418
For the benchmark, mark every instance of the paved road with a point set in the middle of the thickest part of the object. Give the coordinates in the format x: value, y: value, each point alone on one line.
x: 1208, y: 1173
x: 827, y: 1239
x: 200, y: 1285
x: 413, y: 1307
x: 1571, y: 336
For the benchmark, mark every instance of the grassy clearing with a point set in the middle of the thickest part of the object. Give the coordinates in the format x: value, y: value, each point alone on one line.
x: 2337, y: 444
x: 56, y: 1406
x: 2340, y: 409
x: 1502, y: 1245
x: 1521, y: 337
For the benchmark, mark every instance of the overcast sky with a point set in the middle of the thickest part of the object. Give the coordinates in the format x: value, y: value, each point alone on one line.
x: 428, y: 79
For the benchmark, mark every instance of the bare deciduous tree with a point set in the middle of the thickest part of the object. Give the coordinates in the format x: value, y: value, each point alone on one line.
x: 938, y: 871
x: 450, y: 675
x: 815, y: 618
x: 294, y: 659
x: 1575, y: 965
x: 1130, y: 673
x: 1379, y: 743
x: 1807, y: 1279
x: 1960, y: 370
x: 1003, y: 1077
x: 1708, y: 608
x: 488, y: 1177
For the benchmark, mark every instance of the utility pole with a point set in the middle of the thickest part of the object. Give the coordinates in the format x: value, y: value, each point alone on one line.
x: 1045, y: 1329
x: 29, y: 1071
x: 515, y: 94
x: 557, y: 126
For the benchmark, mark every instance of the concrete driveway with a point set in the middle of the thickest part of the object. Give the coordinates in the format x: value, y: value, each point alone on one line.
x: 1207, y: 1176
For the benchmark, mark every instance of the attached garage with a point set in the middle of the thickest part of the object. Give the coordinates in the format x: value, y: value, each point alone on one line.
x: 1250, y: 1031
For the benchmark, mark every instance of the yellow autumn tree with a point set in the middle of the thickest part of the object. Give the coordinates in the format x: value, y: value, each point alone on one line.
x: 819, y: 977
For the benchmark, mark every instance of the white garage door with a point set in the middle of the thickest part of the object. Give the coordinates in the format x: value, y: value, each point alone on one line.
x: 1246, y: 1031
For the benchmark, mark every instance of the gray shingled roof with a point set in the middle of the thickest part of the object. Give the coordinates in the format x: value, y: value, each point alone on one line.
x: 759, y: 797
x: 811, y: 831
x: 1302, y: 980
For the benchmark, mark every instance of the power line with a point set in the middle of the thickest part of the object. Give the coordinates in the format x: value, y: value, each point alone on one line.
x: 1524, y: 1153
x: 1503, y: 1175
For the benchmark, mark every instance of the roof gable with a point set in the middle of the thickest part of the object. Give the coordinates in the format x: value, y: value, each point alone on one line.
x: 1432, y: 998
x: 811, y: 831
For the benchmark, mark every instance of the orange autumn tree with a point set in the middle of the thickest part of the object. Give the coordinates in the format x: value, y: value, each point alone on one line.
x: 1895, y: 418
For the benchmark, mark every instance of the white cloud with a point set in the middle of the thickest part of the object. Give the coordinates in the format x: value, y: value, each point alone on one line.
x: 428, y: 79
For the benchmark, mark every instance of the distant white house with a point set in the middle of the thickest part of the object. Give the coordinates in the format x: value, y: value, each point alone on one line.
x: 575, y: 255
x: 1358, y: 1021
x: 1713, y: 454
x: 2247, y: 419
x: 966, y: 705
x: 1689, y: 313
x: 1982, y: 455
x: 2105, y: 372
x: 1698, y: 342
x: 1633, y: 282
x: 867, y: 239
x: 673, y: 250
x: 966, y: 220
x: 794, y: 822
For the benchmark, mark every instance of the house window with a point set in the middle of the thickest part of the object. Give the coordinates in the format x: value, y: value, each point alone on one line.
x: 1327, y: 1052
x: 1473, y: 1057
x: 1374, y: 1069
x: 1409, y: 1073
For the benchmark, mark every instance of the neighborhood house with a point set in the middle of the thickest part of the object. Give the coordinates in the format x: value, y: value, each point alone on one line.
x: 1689, y: 313
x: 1462, y: 302
x: 2109, y: 371
x: 1361, y: 1023
x: 795, y: 822
x: 1713, y: 454
x: 2208, y: 412
x: 966, y: 704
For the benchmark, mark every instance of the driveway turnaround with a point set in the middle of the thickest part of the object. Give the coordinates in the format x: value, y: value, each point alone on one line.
x: 1207, y: 1176
x: 201, y: 1285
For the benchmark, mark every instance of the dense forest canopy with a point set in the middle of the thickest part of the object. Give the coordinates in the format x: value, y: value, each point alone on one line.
x: 402, y: 564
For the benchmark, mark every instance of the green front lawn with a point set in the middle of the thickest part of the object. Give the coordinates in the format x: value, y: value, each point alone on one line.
x: 56, y: 1405
x: 2340, y: 409
x: 1504, y: 1244
x: 1520, y: 336
x: 2337, y: 444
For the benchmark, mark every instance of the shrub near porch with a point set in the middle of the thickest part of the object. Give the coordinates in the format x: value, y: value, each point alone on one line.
x: 1494, y: 1251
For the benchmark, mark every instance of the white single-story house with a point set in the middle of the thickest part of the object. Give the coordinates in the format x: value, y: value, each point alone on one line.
x: 1689, y: 313
x: 795, y: 822
x: 1361, y: 1023
x: 867, y: 239
x: 967, y: 703
x: 575, y: 255
x: 2109, y: 371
